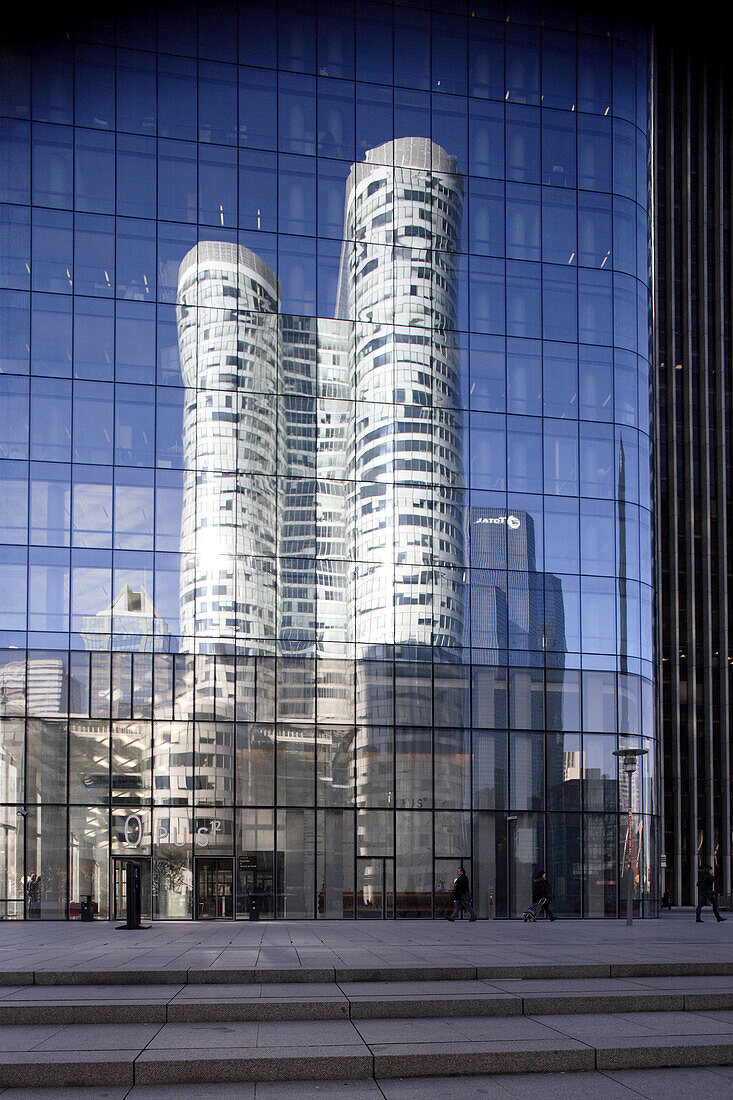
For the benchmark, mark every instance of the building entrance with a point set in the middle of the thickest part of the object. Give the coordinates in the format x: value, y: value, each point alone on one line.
x: 214, y: 895
x: 255, y: 884
x: 120, y: 887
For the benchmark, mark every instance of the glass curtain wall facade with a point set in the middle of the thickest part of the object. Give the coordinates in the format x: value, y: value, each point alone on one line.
x: 325, y: 499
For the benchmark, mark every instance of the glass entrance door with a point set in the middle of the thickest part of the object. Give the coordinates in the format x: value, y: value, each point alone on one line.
x: 255, y: 885
x: 214, y: 896
x: 120, y: 888
x: 374, y: 888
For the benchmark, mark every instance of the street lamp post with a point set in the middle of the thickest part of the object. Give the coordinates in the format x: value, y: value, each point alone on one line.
x: 628, y: 758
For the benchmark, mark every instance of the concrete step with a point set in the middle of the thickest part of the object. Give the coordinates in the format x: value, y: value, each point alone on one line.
x: 224, y: 975
x: 356, y: 1001
x: 45, y: 1055
x: 662, y: 1084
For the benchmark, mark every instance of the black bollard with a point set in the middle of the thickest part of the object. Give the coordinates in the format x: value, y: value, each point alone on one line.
x: 134, y: 898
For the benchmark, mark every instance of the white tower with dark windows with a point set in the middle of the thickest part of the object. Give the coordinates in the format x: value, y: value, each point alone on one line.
x: 398, y: 285
x: 229, y: 343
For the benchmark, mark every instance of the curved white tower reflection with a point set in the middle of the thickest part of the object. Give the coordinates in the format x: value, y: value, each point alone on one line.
x: 228, y: 334
x: 399, y: 285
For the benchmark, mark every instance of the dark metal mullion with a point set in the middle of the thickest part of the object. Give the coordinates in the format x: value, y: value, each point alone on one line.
x: 721, y: 308
x: 673, y: 429
x: 655, y: 357
x: 705, y: 465
x: 687, y: 214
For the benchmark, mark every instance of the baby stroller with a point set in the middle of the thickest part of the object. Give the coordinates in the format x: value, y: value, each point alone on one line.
x: 533, y: 911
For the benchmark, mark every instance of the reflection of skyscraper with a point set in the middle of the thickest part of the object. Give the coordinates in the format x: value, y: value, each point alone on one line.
x: 316, y: 412
x: 398, y: 282
x: 397, y: 367
x: 228, y: 332
x: 133, y: 620
x: 513, y: 606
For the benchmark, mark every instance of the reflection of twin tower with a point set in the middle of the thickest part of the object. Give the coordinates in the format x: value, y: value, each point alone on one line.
x: 362, y: 539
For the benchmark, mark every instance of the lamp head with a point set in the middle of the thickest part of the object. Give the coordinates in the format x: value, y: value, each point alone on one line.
x: 628, y: 758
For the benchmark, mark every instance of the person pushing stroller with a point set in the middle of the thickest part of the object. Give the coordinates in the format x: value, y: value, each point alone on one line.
x: 541, y: 896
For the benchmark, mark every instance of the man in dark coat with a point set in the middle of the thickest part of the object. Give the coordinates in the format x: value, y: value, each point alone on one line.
x: 706, y: 893
x: 542, y: 891
x: 462, y: 896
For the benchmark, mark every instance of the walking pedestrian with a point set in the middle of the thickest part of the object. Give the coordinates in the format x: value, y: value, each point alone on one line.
x: 706, y: 893
x: 462, y: 896
x: 542, y: 891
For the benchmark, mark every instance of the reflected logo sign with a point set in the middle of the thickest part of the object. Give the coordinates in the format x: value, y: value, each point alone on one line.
x: 511, y: 521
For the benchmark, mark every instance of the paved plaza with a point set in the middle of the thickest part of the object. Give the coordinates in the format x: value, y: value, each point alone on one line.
x: 352, y: 945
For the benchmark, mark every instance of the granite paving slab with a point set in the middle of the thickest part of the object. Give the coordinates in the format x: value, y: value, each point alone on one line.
x: 521, y: 1086
x: 318, y: 1090
x: 447, y: 1030
x: 100, y: 1037
x: 643, y: 1051
x: 590, y: 1027
x: 100, y: 1093
x: 500, y: 1056
x: 25, y: 1036
x: 239, y: 1091
x: 253, y: 1064
x: 67, y: 1068
x: 671, y: 1084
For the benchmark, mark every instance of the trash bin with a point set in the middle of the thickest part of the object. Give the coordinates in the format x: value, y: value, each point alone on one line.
x: 253, y: 906
x: 86, y: 908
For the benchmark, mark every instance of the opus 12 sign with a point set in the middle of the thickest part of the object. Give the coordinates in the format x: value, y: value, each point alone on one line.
x: 134, y: 832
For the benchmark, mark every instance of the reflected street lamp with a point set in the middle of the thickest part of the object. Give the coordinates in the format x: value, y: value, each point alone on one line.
x: 628, y: 758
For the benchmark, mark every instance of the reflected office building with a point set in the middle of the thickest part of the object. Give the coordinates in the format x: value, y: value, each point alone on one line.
x: 327, y: 544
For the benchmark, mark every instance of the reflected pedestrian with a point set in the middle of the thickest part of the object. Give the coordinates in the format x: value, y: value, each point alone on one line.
x: 462, y: 896
x: 706, y: 893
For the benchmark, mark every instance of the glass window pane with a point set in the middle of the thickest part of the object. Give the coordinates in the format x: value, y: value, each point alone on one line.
x: 564, y: 863
x: 177, y: 97
x: 93, y: 426
x: 94, y: 171
x: 15, y: 156
x: 92, y: 506
x: 335, y: 765
x: 526, y: 771
x: 217, y: 101
x: 414, y: 768
x: 136, y: 91
x: 46, y: 866
x: 413, y: 873
x: 89, y: 861
x: 526, y: 839
x: 132, y: 762
x: 89, y: 745
x: 172, y: 872
x: 53, y: 251
x: 136, y: 174
x: 46, y: 759
x: 53, y: 166
x: 296, y: 868
x: 50, y: 504
x: 452, y: 763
